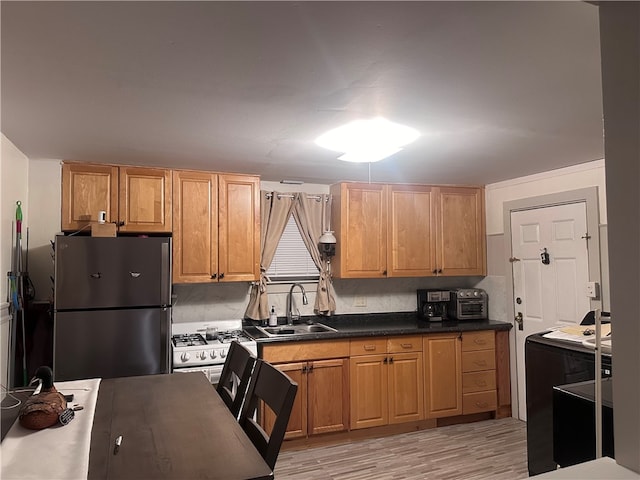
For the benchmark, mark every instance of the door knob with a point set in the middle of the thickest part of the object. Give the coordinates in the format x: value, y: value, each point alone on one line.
x: 520, y: 321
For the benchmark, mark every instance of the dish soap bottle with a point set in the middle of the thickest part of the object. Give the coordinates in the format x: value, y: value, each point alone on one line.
x: 273, y: 317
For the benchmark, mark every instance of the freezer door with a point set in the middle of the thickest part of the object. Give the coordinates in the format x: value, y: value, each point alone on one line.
x: 96, y: 272
x: 111, y: 343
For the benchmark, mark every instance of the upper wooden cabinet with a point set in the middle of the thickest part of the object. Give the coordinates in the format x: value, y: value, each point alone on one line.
x: 137, y: 199
x: 216, y: 227
x: 145, y: 199
x: 461, y: 241
x: 408, y: 230
x: 359, y: 218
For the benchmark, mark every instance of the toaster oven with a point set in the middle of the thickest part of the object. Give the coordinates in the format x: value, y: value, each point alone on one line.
x: 468, y: 304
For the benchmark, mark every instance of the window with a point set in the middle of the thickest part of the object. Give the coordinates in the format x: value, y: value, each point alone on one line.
x: 292, y: 261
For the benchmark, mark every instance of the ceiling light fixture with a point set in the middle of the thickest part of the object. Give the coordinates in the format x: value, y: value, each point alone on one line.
x: 367, y: 140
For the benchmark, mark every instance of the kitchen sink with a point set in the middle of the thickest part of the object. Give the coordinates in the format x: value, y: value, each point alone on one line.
x: 297, y: 329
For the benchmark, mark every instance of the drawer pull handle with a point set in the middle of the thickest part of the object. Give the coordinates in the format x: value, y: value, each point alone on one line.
x: 407, y: 345
x: 480, y: 341
x: 369, y: 348
x: 481, y: 363
x: 481, y: 383
x: 482, y: 404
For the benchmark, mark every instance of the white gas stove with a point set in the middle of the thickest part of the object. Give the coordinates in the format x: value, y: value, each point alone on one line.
x: 203, y: 346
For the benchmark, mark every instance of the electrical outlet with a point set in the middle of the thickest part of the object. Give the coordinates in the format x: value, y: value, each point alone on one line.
x: 360, y: 301
x: 592, y: 290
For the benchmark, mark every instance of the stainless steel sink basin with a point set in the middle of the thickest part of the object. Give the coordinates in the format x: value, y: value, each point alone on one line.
x: 298, y: 329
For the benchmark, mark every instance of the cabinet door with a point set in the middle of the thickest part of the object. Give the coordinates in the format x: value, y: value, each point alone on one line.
x: 145, y: 200
x: 461, y: 242
x: 328, y: 396
x: 369, y: 398
x: 443, y: 375
x: 195, y: 227
x: 86, y: 190
x: 360, y: 220
x: 297, y: 426
x: 239, y: 228
x: 411, y: 249
x: 406, y: 380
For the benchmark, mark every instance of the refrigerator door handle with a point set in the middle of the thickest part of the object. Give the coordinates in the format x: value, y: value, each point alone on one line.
x: 96, y: 275
x: 135, y: 274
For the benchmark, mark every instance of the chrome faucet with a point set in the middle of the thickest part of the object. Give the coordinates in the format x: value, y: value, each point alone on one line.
x: 291, y: 303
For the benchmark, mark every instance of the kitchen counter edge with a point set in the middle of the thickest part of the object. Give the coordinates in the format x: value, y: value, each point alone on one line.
x: 375, y: 325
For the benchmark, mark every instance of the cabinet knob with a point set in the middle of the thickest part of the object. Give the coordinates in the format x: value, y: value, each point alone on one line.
x: 435, y: 271
x: 384, y: 273
x: 214, y: 276
x: 221, y: 276
x: 439, y: 270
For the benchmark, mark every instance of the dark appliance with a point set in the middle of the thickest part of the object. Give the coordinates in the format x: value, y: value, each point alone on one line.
x: 549, y: 363
x: 112, y: 307
x: 574, y: 422
x: 432, y: 304
x: 468, y: 304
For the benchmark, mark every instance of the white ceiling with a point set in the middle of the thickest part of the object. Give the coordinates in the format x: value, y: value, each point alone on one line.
x: 498, y: 89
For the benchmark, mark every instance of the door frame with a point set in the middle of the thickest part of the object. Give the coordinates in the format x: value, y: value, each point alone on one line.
x: 589, y: 195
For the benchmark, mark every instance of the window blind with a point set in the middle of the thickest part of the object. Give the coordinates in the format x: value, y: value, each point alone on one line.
x: 292, y: 260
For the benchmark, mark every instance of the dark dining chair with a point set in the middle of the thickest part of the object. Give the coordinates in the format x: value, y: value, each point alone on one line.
x: 235, y: 377
x: 278, y: 392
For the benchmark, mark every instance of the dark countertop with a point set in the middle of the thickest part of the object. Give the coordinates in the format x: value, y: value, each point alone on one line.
x: 375, y: 325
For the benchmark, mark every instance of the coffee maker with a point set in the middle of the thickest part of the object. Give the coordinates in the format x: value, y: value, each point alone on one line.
x: 432, y: 304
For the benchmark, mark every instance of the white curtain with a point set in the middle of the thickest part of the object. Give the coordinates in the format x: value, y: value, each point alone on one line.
x: 310, y: 214
x: 275, y: 211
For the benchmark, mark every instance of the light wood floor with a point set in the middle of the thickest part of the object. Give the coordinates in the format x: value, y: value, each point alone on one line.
x: 492, y: 449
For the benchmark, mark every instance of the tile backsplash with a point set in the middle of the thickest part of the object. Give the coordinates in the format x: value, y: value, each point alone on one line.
x: 227, y: 301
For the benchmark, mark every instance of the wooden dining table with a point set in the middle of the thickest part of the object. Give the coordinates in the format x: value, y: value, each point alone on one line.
x: 173, y: 426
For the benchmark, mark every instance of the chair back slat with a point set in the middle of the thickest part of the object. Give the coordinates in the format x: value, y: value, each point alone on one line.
x: 235, y: 377
x: 278, y: 392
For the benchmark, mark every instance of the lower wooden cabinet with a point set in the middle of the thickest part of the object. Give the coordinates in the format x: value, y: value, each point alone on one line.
x: 386, y: 387
x: 479, y: 392
x: 443, y: 375
x: 372, y: 382
x: 322, y: 401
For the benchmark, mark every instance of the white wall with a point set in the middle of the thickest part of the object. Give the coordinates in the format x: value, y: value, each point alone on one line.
x: 620, y: 51
x: 588, y: 174
x: 14, y: 175
x: 564, y: 179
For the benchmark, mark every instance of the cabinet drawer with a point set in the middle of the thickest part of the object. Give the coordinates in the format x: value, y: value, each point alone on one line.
x: 480, y: 360
x: 404, y: 344
x: 297, y: 351
x: 368, y: 346
x: 478, y: 381
x: 478, y: 340
x: 479, y: 402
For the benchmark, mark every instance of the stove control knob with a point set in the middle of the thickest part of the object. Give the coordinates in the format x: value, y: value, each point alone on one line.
x: 203, y: 355
x: 223, y: 354
x: 185, y: 357
x: 212, y: 354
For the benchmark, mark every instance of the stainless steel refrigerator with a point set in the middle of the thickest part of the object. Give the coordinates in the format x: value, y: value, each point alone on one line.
x: 112, y: 307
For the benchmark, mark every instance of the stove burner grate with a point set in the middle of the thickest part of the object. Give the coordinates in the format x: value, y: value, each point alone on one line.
x: 188, y: 340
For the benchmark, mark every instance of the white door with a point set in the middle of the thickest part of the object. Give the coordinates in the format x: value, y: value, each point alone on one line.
x: 547, y: 293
